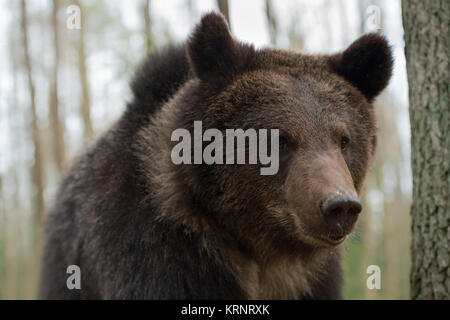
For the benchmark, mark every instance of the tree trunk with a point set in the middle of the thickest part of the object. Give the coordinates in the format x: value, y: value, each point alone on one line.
x: 427, y: 51
x: 271, y: 22
x: 55, y: 121
x: 36, y: 172
x: 148, y: 25
x: 224, y: 9
x: 86, y: 98
x: 37, y: 169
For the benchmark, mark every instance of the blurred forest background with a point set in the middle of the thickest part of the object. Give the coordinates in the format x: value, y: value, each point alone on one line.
x: 61, y: 87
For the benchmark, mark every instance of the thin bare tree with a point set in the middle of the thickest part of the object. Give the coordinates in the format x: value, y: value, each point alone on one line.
x: 85, y: 108
x: 37, y: 169
x: 56, y: 124
x: 148, y: 25
x: 225, y: 10
x: 37, y: 174
x: 271, y: 21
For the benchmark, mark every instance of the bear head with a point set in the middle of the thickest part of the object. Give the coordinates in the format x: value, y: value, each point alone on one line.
x: 322, y: 106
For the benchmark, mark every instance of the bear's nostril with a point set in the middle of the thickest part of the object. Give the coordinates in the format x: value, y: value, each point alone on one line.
x: 340, y: 207
x: 354, y: 210
x: 335, y: 211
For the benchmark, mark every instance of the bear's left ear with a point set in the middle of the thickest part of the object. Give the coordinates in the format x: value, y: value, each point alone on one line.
x: 212, y: 51
x: 366, y: 63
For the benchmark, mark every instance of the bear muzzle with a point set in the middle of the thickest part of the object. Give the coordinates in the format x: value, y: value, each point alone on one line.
x: 340, y: 211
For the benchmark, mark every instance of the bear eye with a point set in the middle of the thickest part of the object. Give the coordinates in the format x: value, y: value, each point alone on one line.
x: 344, y: 142
x: 283, y: 143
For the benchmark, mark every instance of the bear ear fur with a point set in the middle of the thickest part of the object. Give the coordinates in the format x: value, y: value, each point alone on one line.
x: 211, y: 49
x: 366, y: 63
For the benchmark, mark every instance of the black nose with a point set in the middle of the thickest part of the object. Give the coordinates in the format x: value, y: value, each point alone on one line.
x: 341, y: 210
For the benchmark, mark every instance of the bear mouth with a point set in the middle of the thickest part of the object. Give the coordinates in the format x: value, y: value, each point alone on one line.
x: 327, y: 239
x: 333, y: 240
x: 322, y: 238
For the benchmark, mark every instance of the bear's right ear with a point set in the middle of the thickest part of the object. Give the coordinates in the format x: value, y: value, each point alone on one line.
x: 212, y: 51
x: 366, y: 63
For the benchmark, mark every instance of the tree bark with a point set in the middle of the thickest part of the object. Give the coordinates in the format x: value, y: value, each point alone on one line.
x: 85, y: 107
x: 427, y: 51
x: 55, y: 121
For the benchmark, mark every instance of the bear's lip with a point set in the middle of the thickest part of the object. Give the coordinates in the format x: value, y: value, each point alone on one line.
x: 330, y: 238
x: 334, y: 239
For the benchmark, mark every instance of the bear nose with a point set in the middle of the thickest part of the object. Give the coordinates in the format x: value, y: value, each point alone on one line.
x: 341, y: 211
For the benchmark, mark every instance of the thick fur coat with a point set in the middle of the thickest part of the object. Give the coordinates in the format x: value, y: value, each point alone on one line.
x: 141, y: 227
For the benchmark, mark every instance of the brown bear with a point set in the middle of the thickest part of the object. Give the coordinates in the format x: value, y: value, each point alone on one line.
x: 140, y: 226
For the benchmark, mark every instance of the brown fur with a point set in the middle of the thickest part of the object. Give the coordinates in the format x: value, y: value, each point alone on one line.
x: 225, y: 231
x: 285, y: 90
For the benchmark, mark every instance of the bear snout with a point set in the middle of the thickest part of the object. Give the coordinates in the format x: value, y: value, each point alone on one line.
x: 340, y: 211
